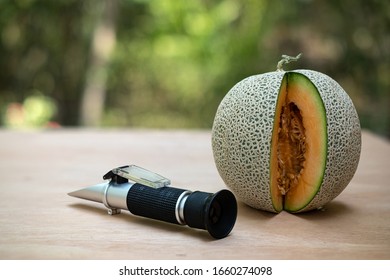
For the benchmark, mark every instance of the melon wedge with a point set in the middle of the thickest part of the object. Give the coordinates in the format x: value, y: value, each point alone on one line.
x: 286, y: 140
x: 298, y: 145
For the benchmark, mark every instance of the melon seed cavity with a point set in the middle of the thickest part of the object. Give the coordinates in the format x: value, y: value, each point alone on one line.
x: 291, y: 147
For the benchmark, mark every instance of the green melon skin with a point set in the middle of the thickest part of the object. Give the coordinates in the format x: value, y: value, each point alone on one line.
x: 242, y: 134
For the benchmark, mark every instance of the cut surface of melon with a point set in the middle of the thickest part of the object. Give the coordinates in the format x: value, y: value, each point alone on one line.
x: 299, y: 144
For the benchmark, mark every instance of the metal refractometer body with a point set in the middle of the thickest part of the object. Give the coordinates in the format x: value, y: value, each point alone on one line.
x: 150, y: 195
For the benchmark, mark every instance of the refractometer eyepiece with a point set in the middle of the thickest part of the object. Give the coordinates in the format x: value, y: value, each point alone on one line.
x: 214, y: 212
x: 150, y: 195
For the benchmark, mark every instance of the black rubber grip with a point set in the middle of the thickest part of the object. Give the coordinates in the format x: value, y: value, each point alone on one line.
x: 159, y: 204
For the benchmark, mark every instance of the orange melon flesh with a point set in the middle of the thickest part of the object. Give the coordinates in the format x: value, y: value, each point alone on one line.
x: 300, y: 94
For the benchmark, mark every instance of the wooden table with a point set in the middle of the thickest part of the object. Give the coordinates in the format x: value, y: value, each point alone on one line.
x: 38, y: 220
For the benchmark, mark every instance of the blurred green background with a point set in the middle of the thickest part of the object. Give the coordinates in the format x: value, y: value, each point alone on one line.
x: 168, y: 63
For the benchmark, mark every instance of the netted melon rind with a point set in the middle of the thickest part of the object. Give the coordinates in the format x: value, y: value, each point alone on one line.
x: 344, y: 138
x: 241, y: 138
x: 242, y: 134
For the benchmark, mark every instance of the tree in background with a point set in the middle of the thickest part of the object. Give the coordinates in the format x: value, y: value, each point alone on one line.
x: 173, y: 61
x: 103, y: 42
x: 44, y: 50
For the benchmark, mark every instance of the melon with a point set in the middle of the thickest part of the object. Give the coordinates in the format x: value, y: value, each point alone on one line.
x: 286, y: 140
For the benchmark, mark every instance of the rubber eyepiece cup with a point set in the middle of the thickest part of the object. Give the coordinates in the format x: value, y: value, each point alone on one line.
x: 216, y: 213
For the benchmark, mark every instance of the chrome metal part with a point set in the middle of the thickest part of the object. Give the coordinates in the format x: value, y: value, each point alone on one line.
x: 112, y: 195
x: 179, y: 209
x: 110, y: 210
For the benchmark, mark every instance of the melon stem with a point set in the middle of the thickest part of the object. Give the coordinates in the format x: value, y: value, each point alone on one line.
x: 286, y: 59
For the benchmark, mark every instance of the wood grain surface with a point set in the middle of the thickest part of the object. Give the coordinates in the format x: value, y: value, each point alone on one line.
x: 38, y: 220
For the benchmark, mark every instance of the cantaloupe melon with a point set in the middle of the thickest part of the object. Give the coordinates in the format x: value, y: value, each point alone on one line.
x: 286, y: 140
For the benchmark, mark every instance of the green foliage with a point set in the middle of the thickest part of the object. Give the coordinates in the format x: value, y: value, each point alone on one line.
x: 174, y: 60
x: 44, y: 47
x: 35, y: 112
x: 177, y: 61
